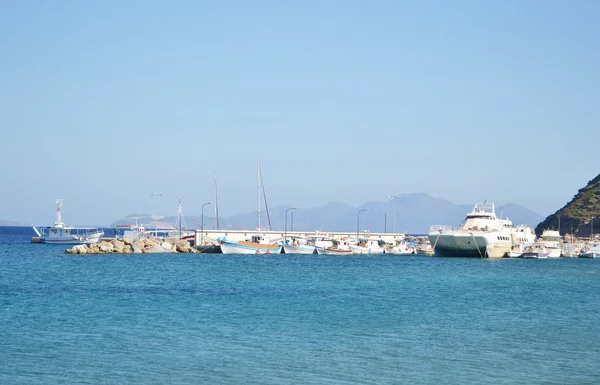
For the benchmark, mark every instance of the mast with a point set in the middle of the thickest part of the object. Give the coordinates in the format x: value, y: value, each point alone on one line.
x: 179, y: 216
x: 258, y: 187
x: 216, y: 216
x: 58, y: 222
x: 266, y: 204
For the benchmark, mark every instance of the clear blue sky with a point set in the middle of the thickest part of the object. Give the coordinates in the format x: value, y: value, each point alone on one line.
x: 103, y: 103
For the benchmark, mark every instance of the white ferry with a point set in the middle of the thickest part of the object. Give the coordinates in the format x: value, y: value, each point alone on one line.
x: 482, y: 235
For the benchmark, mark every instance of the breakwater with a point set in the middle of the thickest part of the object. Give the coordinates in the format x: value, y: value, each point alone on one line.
x: 134, y: 246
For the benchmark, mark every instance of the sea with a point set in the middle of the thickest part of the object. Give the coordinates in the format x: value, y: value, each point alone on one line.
x: 293, y: 319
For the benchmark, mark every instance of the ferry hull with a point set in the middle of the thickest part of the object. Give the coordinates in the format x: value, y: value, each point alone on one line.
x: 466, y: 246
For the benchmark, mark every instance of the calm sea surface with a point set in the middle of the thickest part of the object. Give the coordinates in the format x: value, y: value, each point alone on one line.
x: 210, y: 318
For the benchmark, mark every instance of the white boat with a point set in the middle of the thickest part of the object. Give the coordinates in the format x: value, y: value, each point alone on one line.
x: 340, y: 247
x: 307, y: 245
x: 482, y: 235
x: 522, y: 237
x: 592, y: 250
x: 367, y: 246
x: 256, y: 245
x: 400, y: 247
x: 553, y: 242
x: 67, y: 235
x: 130, y: 231
x: 537, y: 250
x: 423, y: 246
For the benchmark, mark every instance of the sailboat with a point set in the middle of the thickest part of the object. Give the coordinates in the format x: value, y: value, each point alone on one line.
x: 257, y: 244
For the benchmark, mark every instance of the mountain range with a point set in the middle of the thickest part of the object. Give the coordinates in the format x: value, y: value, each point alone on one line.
x: 410, y: 213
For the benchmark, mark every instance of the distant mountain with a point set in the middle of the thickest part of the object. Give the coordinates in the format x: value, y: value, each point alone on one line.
x: 414, y: 214
x: 11, y: 223
x: 580, y: 215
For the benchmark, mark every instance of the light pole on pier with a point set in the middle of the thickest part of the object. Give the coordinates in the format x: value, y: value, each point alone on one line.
x: 202, y: 224
x: 292, y: 223
x: 285, y: 230
x: 384, y: 222
x: 358, y: 222
x: 393, y: 197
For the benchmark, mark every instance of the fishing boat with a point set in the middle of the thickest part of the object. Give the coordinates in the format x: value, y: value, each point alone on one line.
x: 537, y: 251
x: 591, y: 251
x: 368, y: 246
x: 308, y: 244
x: 399, y: 247
x: 339, y: 247
x: 61, y: 234
x: 258, y: 243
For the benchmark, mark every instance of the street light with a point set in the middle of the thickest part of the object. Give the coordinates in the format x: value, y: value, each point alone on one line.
x: 202, y: 225
x: 358, y: 222
x: 384, y: 222
x: 285, y: 230
x: 592, y: 230
x: 393, y: 197
x: 156, y: 215
x: 292, y: 222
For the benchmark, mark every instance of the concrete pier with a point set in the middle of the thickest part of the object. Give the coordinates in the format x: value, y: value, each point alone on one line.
x: 210, y: 237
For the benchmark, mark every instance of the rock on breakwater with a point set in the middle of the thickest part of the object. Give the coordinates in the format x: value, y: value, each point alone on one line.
x: 134, y: 246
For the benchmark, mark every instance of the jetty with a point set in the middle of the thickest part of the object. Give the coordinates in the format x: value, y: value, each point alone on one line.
x: 150, y: 245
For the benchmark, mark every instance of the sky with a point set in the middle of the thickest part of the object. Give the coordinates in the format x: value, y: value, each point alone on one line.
x: 105, y: 103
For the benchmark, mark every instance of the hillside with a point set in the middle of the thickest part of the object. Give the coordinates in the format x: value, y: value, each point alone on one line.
x: 576, y: 216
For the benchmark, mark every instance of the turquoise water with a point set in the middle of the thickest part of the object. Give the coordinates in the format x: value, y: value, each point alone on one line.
x: 291, y: 319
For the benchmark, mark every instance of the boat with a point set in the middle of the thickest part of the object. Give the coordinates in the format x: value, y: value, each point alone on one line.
x: 368, y: 246
x: 423, y: 246
x: 61, y: 234
x: 399, y: 247
x: 130, y: 231
x: 307, y: 245
x: 537, y: 251
x: 592, y: 250
x: 553, y: 242
x: 482, y: 235
x: 258, y: 243
x: 522, y: 237
x: 339, y: 247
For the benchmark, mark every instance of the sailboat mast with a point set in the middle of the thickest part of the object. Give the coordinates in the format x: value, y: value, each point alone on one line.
x: 216, y: 216
x: 258, y: 189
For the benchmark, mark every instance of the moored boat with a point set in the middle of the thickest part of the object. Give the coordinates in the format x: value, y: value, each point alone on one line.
x: 537, y: 251
x: 482, y: 235
x: 61, y: 234
x: 257, y: 245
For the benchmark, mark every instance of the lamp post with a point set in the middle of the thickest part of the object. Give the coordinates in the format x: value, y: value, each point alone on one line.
x: 285, y: 230
x: 393, y: 197
x: 156, y: 215
x: 384, y: 222
x: 202, y: 224
x: 292, y: 223
x: 358, y: 222
x: 592, y: 230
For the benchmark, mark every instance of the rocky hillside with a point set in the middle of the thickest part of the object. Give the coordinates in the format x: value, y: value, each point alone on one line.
x: 576, y: 216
